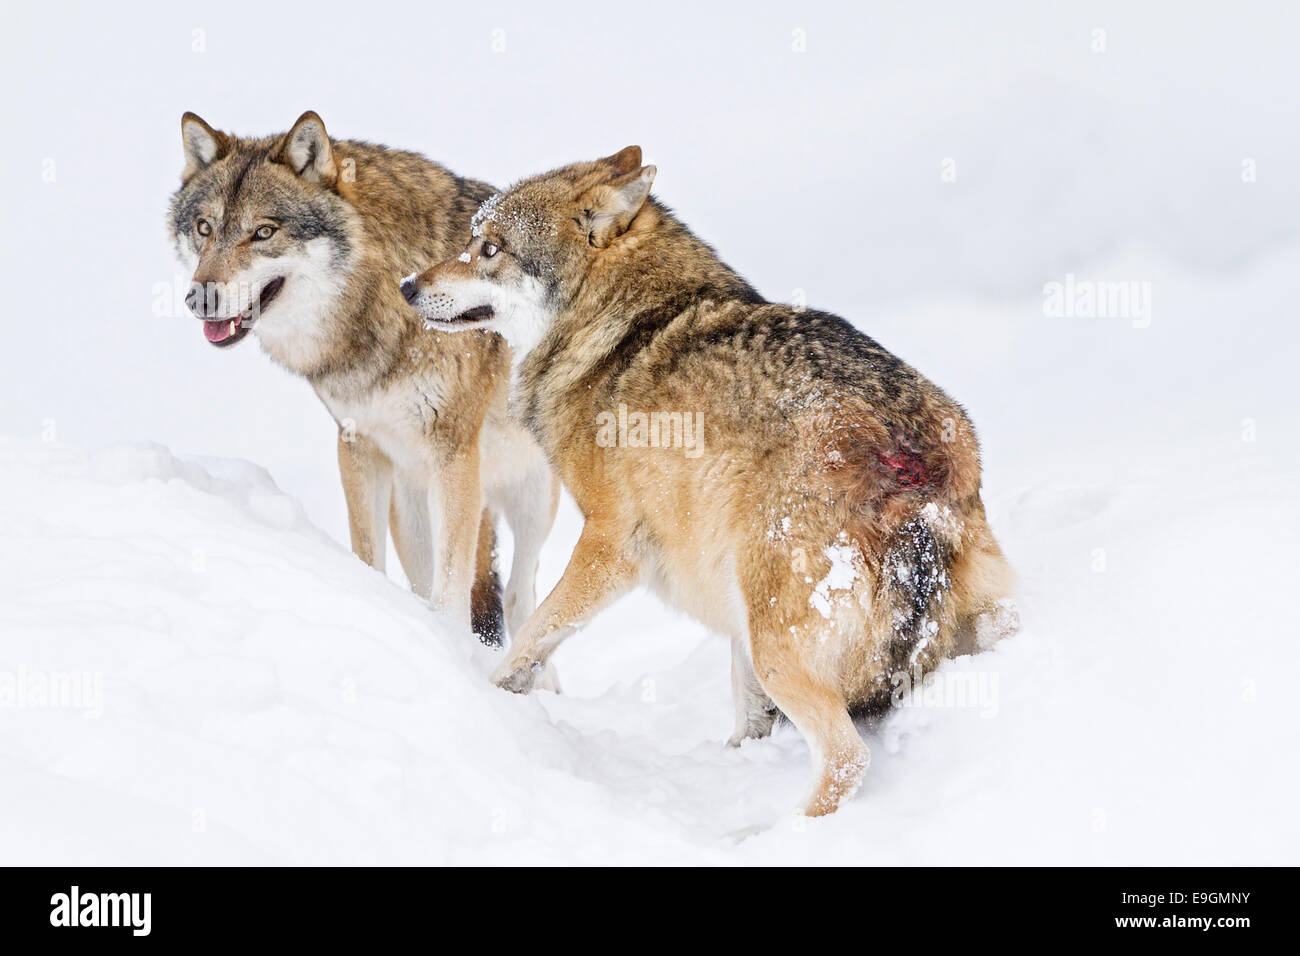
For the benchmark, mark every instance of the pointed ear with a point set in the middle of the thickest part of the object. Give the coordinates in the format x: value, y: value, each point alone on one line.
x: 614, y: 205
x: 306, y: 150
x: 203, y: 145
x: 624, y: 161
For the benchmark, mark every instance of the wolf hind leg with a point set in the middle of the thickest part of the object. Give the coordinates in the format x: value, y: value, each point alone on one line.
x: 816, y: 706
x: 529, y: 505
x: 982, y: 582
x: 412, y: 534
x: 755, y: 712
x: 790, y: 664
x: 529, y: 509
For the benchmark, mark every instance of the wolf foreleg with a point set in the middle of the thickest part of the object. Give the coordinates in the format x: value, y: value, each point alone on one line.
x: 367, y: 477
x: 599, y: 571
x: 455, y: 507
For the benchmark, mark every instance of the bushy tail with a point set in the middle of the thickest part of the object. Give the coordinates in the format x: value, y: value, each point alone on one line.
x: 914, y: 618
x: 915, y: 585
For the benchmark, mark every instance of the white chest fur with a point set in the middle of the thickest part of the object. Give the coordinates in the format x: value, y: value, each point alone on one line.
x: 398, y: 418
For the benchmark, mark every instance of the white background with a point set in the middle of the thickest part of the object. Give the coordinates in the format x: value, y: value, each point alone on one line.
x: 1142, y: 480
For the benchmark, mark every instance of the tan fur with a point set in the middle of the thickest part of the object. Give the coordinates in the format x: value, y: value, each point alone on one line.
x: 831, y: 524
x: 425, y: 443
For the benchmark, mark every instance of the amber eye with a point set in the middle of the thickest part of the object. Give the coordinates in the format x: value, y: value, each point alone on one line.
x: 263, y: 233
x: 490, y: 249
x: 204, y: 227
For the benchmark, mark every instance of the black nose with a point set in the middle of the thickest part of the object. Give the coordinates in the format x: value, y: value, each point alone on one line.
x: 410, y: 289
x: 202, y: 299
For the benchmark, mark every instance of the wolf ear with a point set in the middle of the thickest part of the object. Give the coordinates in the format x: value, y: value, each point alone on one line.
x: 624, y: 161
x: 203, y: 145
x: 615, y: 204
x: 306, y: 150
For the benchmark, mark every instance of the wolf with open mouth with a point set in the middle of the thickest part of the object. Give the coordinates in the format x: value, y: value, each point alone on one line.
x: 300, y: 239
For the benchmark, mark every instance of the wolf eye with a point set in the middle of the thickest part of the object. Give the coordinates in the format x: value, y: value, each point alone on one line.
x: 204, y: 227
x: 263, y: 232
x: 490, y: 249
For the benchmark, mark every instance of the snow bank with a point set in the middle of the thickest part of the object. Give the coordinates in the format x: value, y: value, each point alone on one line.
x: 265, y: 696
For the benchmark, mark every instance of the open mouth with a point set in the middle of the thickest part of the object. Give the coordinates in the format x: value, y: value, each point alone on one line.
x: 225, y: 332
x: 480, y: 313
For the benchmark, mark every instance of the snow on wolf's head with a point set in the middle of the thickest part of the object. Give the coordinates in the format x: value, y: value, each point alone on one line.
x: 531, y: 249
x: 271, y: 239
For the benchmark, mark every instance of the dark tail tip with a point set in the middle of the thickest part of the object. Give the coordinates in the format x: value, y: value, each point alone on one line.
x: 486, y: 614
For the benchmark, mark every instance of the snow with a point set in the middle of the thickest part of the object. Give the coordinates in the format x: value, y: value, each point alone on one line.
x: 487, y: 212
x: 840, y: 577
x: 193, y: 668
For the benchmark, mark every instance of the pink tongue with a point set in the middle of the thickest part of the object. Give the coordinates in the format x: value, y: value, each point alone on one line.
x: 217, y: 331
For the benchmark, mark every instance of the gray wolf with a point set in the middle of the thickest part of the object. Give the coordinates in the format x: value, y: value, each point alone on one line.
x: 831, y: 524
x: 300, y: 240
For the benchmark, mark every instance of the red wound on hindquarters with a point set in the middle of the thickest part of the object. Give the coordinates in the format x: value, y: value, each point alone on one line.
x: 909, y: 468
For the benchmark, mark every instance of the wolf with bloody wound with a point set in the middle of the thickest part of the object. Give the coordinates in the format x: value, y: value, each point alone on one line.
x: 831, y: 525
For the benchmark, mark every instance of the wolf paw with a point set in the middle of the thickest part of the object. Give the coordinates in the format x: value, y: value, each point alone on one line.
x: 548, y: 679
x: 517, y: 677
x: 757, y: 726
x: 995, y: 624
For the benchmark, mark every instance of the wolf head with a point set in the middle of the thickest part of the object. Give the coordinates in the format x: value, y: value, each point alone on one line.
x: 531, y: 249
x: 266, y: 227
